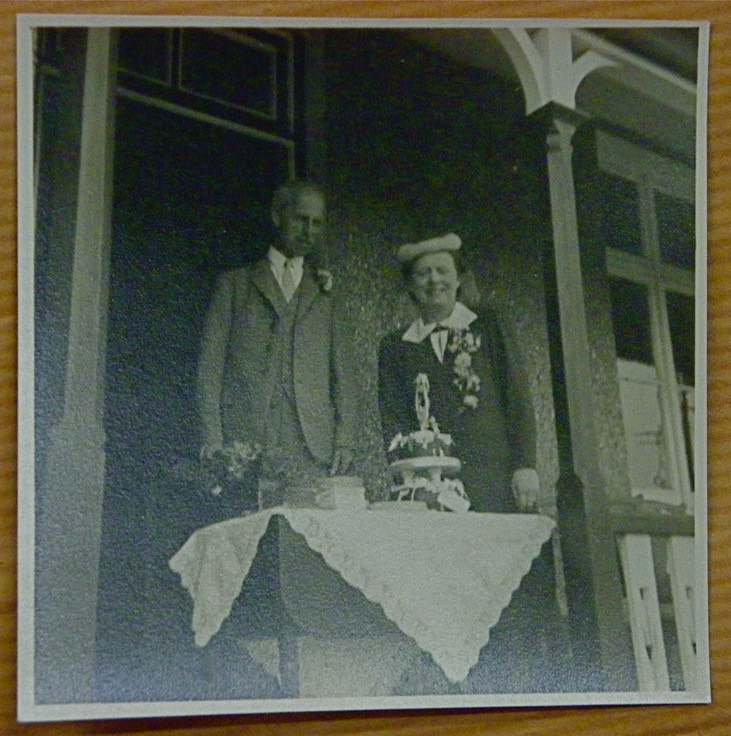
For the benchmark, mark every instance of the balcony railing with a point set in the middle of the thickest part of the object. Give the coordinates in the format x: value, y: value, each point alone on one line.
x: 660, y: 589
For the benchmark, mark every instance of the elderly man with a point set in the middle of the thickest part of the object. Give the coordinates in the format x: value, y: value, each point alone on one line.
x: 276, y: 364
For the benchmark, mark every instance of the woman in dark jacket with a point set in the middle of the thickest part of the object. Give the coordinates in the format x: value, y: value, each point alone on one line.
x: 479, y: 395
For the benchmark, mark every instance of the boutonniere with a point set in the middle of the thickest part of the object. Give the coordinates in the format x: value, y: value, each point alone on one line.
x: 324, y: 279
x: 463, y: 344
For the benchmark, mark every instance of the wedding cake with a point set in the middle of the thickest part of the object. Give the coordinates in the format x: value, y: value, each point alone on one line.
x: 423, y: 465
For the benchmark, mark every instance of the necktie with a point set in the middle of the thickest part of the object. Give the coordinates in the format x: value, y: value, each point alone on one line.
x: 441, y: 335
x: 288, y: 287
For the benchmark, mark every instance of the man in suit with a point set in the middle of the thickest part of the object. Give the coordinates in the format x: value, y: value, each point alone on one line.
x: 276, y: 364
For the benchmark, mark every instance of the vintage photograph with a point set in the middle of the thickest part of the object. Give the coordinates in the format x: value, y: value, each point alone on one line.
x: 361, y: 366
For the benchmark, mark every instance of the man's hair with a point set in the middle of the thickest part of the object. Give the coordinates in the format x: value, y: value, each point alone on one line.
x: 288, y: 194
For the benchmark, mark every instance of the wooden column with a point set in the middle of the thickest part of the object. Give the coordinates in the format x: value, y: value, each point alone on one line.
x: 601, y: 647
x: 70, y: 496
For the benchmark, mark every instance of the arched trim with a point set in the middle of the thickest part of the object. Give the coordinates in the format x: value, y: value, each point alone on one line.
x: 544, y: 62
x: 527, y: 63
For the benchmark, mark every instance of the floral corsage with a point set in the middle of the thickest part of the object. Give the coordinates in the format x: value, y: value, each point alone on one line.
x: 463, y: 344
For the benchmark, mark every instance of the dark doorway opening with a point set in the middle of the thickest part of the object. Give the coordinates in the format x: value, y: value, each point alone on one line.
x: 191, y: 198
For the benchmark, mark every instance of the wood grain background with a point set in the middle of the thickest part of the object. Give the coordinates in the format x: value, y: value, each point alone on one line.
x: 705, y: 720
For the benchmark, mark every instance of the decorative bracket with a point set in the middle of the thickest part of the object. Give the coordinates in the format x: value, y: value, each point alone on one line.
x: 544, y: 61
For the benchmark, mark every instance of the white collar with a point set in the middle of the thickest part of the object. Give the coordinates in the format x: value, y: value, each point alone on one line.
x: 278, y: 259
x: 460, y: 319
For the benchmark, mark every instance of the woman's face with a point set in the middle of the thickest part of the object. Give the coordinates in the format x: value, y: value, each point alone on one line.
x: 434, y: 284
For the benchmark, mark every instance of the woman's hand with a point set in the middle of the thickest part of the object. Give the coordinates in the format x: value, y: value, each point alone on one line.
x: 526, y: 488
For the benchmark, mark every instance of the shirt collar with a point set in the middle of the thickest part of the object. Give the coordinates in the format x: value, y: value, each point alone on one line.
x: 278, y: 259
x: 460, y: 319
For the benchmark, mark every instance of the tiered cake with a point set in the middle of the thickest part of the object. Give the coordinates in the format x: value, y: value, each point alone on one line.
x: 423, y: 467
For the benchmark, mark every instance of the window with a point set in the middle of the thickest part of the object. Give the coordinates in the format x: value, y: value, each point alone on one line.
x: 242, y: 76
x: 653, y: 312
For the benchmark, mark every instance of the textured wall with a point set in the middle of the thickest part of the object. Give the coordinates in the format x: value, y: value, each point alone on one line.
x: 416, y: 147
x: 514, y: 284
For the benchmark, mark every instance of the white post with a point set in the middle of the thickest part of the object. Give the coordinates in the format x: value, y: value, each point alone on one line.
x: 69, y: 498
x: 644, y: 612
x: 681, y: 568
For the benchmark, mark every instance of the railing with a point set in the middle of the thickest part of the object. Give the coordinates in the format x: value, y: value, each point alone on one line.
x: 666, y: 564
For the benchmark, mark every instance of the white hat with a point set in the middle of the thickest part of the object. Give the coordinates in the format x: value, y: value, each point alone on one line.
x: 448, y: 242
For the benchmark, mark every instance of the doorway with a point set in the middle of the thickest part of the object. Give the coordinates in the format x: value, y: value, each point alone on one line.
x: 192, y: 189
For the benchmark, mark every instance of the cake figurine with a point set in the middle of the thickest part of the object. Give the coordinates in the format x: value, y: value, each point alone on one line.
x: 423, y: 465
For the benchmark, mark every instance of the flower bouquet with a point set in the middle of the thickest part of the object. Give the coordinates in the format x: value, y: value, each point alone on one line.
x: 231, y: 474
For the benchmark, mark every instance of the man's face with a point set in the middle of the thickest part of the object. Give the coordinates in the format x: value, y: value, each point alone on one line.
x: 301, y: 226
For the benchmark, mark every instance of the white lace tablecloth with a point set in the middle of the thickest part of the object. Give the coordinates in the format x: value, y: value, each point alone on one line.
x: 442, y: 578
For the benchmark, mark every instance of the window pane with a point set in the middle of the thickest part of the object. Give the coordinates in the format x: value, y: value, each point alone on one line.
x: 631, y: 320
x: 640, y: 393
x: 644, y: 431
x: 681, y: 317
x: 621, y: 215
x: 675, y: 230
x: 145, y: 52
x: 236, y: 71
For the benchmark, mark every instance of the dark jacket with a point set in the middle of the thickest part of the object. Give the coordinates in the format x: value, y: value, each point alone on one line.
x: 493, y: 439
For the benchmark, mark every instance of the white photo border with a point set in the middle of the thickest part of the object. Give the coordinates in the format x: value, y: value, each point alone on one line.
x: 28, y: 709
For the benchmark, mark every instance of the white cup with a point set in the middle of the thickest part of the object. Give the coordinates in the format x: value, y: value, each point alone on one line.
x: 341, y: 492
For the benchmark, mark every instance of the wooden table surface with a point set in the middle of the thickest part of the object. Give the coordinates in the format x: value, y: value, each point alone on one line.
x: 703, y: 720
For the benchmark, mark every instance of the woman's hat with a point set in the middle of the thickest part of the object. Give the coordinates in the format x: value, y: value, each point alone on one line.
x: 448, y: 242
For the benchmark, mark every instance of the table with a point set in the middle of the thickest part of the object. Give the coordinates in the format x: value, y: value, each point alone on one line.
x: 442, y: 579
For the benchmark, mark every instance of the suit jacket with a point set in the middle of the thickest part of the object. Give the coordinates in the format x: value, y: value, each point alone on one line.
x: 236, y: 371
x: 493, y: 439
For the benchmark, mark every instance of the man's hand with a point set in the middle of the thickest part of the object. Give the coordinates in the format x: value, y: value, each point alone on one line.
x: 526, y: 488
x: 342, y: 461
